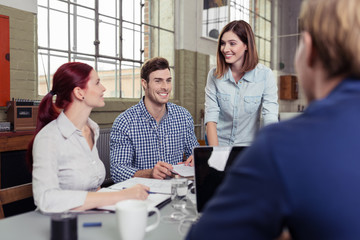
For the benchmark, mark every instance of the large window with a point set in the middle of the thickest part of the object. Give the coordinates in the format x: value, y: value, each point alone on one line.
x: 217, y: 13
x: 113, y: 36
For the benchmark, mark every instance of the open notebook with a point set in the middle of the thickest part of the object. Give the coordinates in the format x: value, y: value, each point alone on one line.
x: 161, y: 191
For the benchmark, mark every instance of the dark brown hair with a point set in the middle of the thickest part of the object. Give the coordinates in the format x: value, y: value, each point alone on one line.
x: 152, y: 65
x: 243, y: 30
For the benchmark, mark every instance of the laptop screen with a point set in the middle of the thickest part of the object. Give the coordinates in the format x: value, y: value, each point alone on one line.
x: 211, y: 164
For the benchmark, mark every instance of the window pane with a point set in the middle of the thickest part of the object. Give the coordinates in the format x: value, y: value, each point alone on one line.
x: 42, y: 3
x: 268, y: 10
x: 130, y: 80
x: 108, y: 36
x: 86, y: 3
x: 125, y: 41
x: 47, y: 67
x: 131, y: 36
x: 109, y: 8
x: 261, y: 48
x: 109, y: 74
x: 267, y: 51
x: 131, y: 11
x: 261, y: 7
x: 137, y: 11
x: 43, y: 72
x: 267, y: 31
x: 83, y: 58
x: 85, y: 30
x: 42, y: 20
x: 239, y: 10
x: 58, y: 30
x: 58, y: 6
x: 215, y: 17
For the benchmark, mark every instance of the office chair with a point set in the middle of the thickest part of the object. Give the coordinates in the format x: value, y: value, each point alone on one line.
x: 13, y: 194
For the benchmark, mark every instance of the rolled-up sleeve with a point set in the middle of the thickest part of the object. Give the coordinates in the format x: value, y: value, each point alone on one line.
x: 212, y: 107
x: 270, y: 106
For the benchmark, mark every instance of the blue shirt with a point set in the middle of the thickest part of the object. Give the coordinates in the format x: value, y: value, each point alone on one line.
x: 236, y: 107
x: 302, y: 174
x: 138, y: 142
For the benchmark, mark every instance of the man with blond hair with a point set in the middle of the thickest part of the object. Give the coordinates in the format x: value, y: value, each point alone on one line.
x: 303, y: 174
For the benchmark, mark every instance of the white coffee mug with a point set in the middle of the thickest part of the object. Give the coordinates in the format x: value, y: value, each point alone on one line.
x: 132, y: 218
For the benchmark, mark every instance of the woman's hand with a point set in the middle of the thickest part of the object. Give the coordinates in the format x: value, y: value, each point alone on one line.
x: 139, y: 191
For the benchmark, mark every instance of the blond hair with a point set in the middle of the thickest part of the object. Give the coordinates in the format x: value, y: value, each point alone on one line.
x: 334, y: 26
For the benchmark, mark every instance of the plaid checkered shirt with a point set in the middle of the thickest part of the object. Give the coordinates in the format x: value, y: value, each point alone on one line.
x: 137, y: 142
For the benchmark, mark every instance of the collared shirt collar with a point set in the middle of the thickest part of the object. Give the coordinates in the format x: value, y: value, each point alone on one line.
x: 67, y: 128
x: 145, y: 113
x: 249, y: 76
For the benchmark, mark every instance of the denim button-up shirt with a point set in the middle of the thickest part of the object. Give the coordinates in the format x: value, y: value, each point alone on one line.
x: 236, y: 108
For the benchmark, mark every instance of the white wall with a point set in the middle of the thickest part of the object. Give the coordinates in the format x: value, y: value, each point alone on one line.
x: 25, y: 5
x: 188, y: 28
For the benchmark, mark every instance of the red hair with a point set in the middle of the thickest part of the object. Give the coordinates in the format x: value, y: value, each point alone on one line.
x: 66, y: 78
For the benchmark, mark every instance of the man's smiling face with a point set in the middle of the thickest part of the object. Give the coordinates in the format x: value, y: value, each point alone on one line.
x: 159, y: 87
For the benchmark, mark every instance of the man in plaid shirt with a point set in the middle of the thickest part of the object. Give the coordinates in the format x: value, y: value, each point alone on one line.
x: 150, y: 137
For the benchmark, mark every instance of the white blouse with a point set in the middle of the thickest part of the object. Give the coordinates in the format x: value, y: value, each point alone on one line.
x: 64, y: 168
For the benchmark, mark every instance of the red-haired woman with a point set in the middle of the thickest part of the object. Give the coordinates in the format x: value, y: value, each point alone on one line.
x: 238, y: 90
x: 66, y: 168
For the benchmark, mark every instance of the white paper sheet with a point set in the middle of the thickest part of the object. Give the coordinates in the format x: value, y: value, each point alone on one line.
x: 182, y: 170
x: 156, y: 185
x: 218, y: 159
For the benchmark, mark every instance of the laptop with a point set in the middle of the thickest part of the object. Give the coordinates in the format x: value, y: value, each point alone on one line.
x: 211, y: 165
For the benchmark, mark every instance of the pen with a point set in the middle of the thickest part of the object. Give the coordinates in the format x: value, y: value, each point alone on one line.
x: 92, y: 224
x: 151, y: 192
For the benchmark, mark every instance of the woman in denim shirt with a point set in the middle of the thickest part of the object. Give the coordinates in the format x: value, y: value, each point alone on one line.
x: 238, y: 89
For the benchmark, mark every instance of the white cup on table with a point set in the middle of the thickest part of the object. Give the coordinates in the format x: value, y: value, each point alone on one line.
x: 132, y: 218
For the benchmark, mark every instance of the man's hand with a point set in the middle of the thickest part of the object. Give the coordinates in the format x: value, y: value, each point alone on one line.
x: 162, y: 170
x: 189, y: 161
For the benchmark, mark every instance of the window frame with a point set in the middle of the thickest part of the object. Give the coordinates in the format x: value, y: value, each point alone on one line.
x: 71, y: 53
